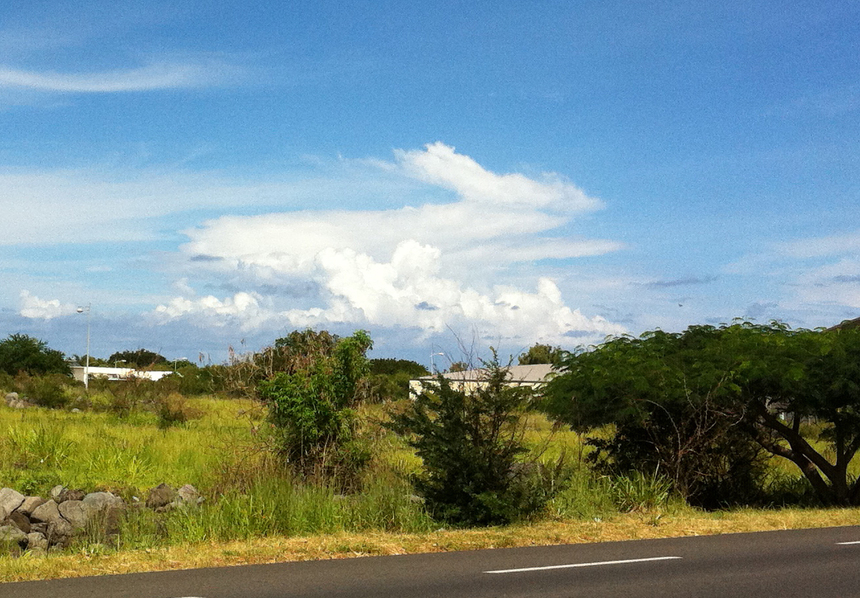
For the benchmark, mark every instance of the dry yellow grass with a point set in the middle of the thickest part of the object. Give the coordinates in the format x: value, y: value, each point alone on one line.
x: 283, y: 549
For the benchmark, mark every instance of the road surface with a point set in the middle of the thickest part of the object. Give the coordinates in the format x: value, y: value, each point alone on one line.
x: 821, y: 563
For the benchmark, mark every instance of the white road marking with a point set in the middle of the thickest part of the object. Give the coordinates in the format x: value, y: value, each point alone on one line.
x: 595, y: 564
x: 847, y: 543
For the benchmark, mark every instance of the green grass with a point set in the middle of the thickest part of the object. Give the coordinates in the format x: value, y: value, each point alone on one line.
x: 102, y: 451
x: 221, y: 449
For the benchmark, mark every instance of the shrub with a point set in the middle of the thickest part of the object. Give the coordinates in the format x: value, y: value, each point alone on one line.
x: 48, y: 391
x: 311, y: 409
x: 475, y: 469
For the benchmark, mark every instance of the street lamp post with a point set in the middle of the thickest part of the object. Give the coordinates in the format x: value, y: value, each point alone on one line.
x: 433, y: 362
x: 87, y: 366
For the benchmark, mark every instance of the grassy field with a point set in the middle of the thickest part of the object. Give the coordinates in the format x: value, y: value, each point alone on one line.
x: 256, y: 513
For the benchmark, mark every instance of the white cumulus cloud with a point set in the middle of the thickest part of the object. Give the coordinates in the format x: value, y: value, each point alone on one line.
x: 39, y: 309
x: 428, y: 266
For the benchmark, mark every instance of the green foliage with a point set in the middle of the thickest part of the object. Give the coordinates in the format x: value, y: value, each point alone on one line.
x: 475, y: 465
x: 43, y: 446
x: 538, y: 353
x: 139, y: 358
x: 311, y: 407
x: 389, y: 378
x: 690, y: 405
x: 50, y: 391
x: 22, y: 353
x: 639, y: 492
x: 666, y: 401
x: 388, y: 367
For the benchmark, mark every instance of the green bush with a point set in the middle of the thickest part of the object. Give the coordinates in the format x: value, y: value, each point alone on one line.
x: 311, y: 409
x: 50, y: 391
x: 475, y: 465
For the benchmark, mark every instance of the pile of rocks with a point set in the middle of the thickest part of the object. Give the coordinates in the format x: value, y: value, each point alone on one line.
x: 15, y: 402
x: 40, y: 524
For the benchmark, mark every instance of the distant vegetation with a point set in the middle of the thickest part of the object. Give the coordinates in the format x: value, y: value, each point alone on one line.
x: 309, y: 435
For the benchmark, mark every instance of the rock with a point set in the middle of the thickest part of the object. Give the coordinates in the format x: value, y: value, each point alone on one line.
x: 9, y: 501
x: 188, y: 496
x: 46, y: 513
x: 37, y: 542
x: 19, y: 520
x: 102, y: 501
x: 107, y: 510
x: 14, y: 401
x: 160, y: 497
x: 75, y: 513
x: 47, y: 520
x: 12, y: 540
x: 72, y: 495
x: 30, y: 504
x: 56, y: 492
x: 59, y: 533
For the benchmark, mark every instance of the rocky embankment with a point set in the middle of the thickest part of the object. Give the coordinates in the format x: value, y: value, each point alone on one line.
x: 37, y: 524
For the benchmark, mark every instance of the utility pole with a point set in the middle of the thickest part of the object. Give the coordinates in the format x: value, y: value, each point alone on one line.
x: 87, y: 366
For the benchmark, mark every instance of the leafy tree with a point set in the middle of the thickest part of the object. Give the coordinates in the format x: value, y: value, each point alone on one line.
x: 311, y: 407
x: 539, y: 353
x: 139, y: 358
x: 691, y: 404
x: 389, y: 366
x: 23, y: 353
x: 389, y: 378
x: 666, y: 403
x: 458, y: 366
x: 475, y: 465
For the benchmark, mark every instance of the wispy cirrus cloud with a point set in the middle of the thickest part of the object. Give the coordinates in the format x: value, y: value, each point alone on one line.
x: 679, y: 282
x: 162, y: 75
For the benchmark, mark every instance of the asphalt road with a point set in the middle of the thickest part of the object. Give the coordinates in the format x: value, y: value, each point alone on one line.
x: 818, y: 563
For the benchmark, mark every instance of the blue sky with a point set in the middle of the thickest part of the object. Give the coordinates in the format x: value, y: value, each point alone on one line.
x: 215, y: 174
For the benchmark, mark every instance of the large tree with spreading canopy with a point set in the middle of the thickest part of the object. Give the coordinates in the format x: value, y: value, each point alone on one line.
x: 692, y: 403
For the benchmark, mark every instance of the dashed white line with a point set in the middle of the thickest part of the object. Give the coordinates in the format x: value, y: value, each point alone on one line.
x: 595, y: 564
x: 847, y: 543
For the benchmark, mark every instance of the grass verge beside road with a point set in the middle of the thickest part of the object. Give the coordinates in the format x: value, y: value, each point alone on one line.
x: 274, y: 549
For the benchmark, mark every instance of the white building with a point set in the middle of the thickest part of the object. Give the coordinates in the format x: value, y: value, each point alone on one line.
x: 469, y: 380
x: 78, y: 371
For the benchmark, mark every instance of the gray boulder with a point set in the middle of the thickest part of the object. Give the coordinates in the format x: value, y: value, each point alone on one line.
x: 46, y: 513
x: 47, y: 519
x: 9, y: 501
x: 12, y: 540
x: 75, y: 512
x: 19, y: 520
x: 37, y: 542
x: 60, y: 532
x: 57, y: 492
x: 103, y: 501
x: 188, y: 496
x: 160, y: 497
x: 106, y: 510
x: 29, y: 505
